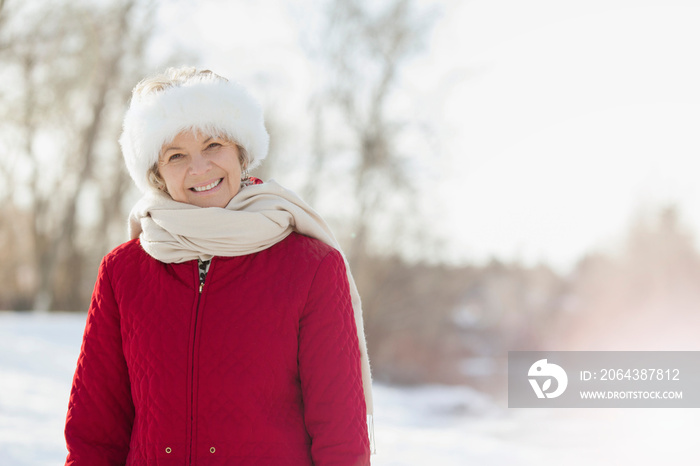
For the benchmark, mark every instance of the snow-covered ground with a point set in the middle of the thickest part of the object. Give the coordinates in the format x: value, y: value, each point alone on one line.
x: 433, y: 425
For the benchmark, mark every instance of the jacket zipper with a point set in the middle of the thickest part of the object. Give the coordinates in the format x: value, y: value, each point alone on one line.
x: 194, y: 351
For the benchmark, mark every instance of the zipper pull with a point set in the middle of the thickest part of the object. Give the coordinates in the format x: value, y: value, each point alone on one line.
x: 201, y: 285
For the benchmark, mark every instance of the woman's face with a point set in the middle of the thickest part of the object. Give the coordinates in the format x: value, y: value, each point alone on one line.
x: 200, y: 170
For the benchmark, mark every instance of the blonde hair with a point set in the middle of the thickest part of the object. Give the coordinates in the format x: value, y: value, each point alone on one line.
x: 173, y: 77
x: 176, y: 77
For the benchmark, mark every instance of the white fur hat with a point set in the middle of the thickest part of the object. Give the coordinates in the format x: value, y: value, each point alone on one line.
x: 205, y: 102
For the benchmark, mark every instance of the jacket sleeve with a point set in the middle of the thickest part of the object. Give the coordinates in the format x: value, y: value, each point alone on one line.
x: 100, y: 410
x: 329, y: 367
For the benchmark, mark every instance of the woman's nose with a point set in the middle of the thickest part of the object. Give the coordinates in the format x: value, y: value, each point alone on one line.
x: 199, y: 164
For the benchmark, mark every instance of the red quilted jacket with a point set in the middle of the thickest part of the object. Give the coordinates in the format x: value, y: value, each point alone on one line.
x: 260, y: 367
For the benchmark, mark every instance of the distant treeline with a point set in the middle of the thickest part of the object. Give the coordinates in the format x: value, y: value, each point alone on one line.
x: 456, y: 325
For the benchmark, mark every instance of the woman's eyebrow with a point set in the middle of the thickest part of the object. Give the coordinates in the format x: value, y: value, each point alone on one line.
x: 171, y: 148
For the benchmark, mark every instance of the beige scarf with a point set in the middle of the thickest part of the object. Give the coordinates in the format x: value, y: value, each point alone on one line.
x: 258, y: 217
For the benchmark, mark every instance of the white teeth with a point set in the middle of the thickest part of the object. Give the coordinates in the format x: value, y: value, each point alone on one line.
x: 207, y: 187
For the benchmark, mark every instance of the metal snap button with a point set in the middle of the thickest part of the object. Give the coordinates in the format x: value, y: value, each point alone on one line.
x: 168, y: 449
x: 212, y: 450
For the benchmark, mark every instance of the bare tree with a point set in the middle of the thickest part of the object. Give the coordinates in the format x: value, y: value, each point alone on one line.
x: 69, y: 64
x: 360, y: 49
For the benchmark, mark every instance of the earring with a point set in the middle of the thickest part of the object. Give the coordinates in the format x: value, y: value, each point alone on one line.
x: 245, y: 178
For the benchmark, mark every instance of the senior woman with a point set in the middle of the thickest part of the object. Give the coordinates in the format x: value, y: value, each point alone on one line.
x: 229, y: 329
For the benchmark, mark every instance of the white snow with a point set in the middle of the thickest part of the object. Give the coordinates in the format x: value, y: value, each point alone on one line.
x: 429, y: 425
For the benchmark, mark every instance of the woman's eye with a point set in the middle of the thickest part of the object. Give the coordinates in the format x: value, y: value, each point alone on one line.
x: 213, y: 145
x: 174, y: 157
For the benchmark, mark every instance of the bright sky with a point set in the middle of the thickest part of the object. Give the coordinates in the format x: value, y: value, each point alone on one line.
x: 556, y: 121
x: 573, y: 115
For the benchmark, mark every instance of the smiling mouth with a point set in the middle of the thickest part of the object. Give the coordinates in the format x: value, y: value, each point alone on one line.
x: 200, y: 189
